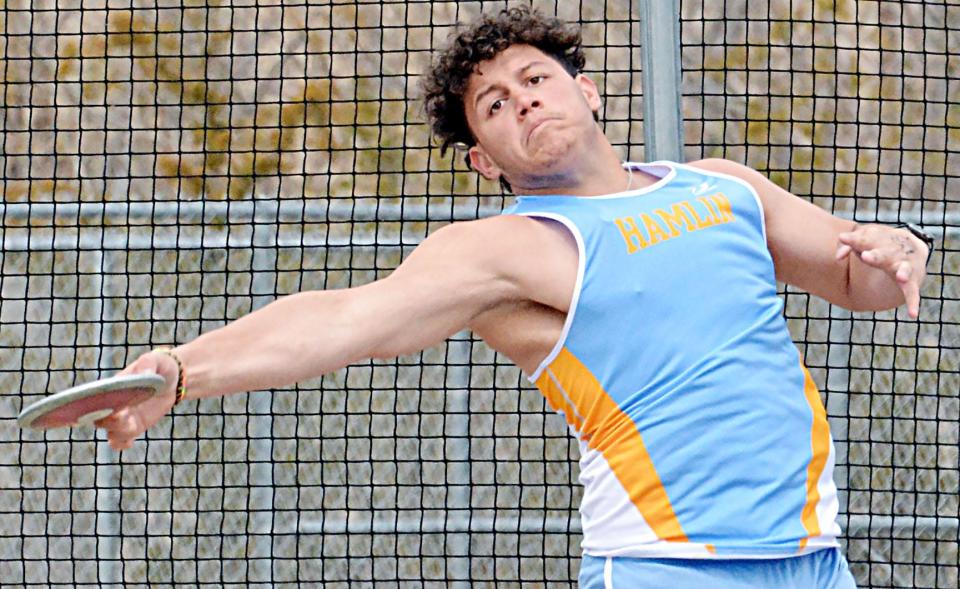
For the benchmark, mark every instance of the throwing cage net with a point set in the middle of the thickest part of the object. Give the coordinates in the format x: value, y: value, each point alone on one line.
x: 170, y: 166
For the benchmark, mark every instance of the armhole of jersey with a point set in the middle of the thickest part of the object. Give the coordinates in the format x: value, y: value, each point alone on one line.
x: 747, y: 185
x: 575, y: 299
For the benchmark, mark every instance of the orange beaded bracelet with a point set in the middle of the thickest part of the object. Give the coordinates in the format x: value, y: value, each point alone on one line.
x: 181, y: 376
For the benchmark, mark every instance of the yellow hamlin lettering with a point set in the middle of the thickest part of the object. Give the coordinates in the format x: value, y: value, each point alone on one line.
x: 657, y: 234
x: 714, y: 217
x: 665, y: 224
x: 723, y: 203
x: 631, y: 234
x: 701, y: 224
x: 674, y: 218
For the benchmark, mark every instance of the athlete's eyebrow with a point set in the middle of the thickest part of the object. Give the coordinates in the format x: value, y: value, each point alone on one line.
x: 496, y: 86
x: 530, y: 65
x: 480, y: 95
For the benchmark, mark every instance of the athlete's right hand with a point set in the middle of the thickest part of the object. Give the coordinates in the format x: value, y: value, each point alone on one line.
x: 126, y: 425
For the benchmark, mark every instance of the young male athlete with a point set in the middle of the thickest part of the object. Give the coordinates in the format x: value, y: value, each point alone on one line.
x: 640, y: 298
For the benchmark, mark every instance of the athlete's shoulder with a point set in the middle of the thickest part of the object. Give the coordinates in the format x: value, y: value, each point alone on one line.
x: 718, y: 166
x: 490, y: 233
x: 503, y: 242
x: 729, y: 169
x: 525, y: 251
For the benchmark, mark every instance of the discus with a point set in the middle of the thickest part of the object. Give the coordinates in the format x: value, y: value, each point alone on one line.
x: 85, y: 404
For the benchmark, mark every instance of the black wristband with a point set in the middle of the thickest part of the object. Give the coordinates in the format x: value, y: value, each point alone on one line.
x: 921, y: 235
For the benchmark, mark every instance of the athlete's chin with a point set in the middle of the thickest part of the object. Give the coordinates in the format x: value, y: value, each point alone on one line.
x: 553, y: 154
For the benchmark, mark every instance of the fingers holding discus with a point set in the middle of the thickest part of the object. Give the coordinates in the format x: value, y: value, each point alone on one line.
x: 125, y: 426
x: 125, y: 405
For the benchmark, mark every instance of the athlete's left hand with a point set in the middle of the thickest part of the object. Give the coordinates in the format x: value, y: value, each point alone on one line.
x: 896, y: 251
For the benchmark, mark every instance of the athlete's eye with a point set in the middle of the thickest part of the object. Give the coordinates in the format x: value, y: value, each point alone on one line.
x: 535, y: 80
x: 497, y: 104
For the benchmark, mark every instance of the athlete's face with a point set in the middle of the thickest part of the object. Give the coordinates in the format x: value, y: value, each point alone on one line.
x: 528, y: 116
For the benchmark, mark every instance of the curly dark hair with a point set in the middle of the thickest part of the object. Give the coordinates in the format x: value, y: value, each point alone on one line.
x: 444, y: 86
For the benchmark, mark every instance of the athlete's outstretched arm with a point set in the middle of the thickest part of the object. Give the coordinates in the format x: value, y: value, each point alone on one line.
x: 453, y: 276
x: 858, y: 267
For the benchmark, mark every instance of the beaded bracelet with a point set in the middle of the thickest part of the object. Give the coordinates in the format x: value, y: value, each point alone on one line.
x: 181, y: 376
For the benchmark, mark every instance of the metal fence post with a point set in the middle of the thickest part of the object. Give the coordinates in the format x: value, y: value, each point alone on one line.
x: 660, y: 51
x: 109, y: 523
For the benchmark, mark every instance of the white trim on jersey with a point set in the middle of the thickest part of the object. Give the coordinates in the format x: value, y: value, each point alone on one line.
x: 581, y: 267
x: 828, y: 507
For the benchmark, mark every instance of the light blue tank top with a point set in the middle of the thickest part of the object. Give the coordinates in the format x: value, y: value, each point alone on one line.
x: 702, y: 435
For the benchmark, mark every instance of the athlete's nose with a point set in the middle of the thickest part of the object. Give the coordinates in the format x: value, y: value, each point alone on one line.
x: 528, y: 102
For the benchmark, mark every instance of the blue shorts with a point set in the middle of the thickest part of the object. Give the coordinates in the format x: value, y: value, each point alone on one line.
x: 823, y: 569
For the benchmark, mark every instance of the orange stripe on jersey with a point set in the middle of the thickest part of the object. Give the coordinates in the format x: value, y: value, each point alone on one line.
x: 820, y: 442
x: 557, y: 401
x: 620, y: 443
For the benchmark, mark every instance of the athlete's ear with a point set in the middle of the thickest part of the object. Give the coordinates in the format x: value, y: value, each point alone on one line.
x: 482, y: 163
x: 590, y: 92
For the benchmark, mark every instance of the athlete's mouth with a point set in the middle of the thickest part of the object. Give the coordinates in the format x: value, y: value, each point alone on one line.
x: 537, y: 125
